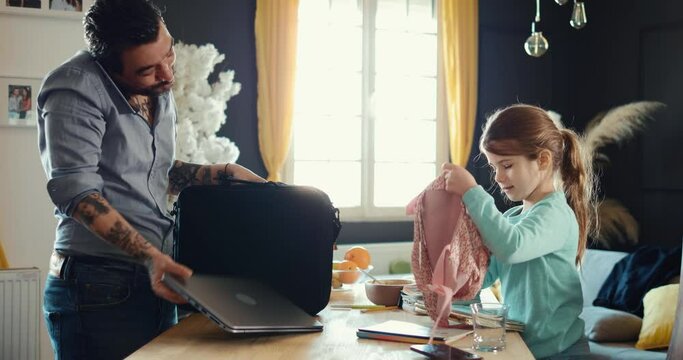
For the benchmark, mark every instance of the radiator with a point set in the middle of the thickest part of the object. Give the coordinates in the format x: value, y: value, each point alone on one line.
x: 19, y: 314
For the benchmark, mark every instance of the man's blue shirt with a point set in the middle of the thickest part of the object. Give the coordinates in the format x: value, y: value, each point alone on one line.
x: 91, y: 140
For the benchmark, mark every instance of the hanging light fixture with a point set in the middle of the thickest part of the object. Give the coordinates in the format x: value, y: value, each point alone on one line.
x: 579, y: 19
x: 536, y: 45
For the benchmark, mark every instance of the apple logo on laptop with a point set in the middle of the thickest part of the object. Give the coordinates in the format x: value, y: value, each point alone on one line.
x: 246, y: 299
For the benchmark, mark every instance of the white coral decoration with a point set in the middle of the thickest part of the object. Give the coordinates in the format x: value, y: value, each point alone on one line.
x: 201, y: 106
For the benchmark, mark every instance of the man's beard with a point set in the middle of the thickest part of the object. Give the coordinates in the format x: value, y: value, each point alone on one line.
x: 153, y: 91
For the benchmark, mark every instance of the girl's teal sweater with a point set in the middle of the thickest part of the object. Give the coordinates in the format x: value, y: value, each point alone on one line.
x: 533, y: 253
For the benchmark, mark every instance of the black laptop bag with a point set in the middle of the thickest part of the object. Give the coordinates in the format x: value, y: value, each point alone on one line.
x: 280, y: 234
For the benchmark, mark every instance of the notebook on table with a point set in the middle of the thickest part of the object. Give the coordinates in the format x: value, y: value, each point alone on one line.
x: 402, y: 331
x: 240, y: 305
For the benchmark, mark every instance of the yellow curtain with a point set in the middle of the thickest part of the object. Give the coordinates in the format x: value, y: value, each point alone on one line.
x: 3, y: 259
x: 459, y: 25
x: 276, y: 37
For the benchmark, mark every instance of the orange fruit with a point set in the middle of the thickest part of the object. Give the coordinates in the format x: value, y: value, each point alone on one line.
x: 348, y: 273
x: 336, y: 284
x: 359, y: 255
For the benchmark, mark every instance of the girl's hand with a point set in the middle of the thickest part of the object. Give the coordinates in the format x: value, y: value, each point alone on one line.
x: 458, y: 179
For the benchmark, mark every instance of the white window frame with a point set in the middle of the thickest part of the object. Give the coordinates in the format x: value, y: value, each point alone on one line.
x: 368, y: 212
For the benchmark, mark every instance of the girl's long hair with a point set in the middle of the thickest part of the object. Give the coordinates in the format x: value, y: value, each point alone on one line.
x: 527, y: 130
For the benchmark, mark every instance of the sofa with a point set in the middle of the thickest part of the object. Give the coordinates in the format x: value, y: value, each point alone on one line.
x: 602, y: 323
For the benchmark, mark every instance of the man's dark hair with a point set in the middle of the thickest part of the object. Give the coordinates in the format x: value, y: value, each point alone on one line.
x: 112, y: 26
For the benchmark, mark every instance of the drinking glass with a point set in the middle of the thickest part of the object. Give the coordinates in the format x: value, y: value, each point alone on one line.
x: 488, y: 320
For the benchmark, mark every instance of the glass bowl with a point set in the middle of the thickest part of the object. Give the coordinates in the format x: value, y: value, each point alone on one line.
x: 344, y: 279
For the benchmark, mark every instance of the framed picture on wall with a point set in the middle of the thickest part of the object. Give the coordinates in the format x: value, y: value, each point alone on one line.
x: 74, y: 9
x: 66, y: 5
x: 18, y: 101
x: 24, y: 4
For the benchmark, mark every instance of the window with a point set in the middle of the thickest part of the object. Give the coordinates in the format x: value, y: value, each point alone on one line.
x: 365, y: 128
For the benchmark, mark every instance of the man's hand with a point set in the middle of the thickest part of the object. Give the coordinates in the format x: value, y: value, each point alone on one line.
x: 160, y: 263
x: 458, y: 179
x: 241, y: 173
x: 184, y: 174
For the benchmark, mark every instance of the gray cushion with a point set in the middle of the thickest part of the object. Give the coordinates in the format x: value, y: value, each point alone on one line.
x: 608, y: 325
x: 625, y: 351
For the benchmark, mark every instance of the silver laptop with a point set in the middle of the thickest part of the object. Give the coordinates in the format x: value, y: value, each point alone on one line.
x: 241, y: 305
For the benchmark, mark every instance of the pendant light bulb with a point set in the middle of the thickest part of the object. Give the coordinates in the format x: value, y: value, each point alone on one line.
x: 579, y: 18
x: 536, y: 45
x: 561, y: 2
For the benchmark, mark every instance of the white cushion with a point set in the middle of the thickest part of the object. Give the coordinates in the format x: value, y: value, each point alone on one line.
x: 596, y: 266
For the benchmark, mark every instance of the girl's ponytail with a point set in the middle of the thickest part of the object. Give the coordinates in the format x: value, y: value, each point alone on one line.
x: 579, y: 185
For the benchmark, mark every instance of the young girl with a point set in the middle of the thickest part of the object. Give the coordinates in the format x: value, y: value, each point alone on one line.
x: 535, y: 247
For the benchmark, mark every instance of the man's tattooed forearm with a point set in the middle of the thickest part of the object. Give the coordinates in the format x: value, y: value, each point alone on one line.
x: 206, y: 176
x: 181, y: 176
x: 130, y: 241
x: 91, y: 207
x: 222, y: 174
x: 122, y: 235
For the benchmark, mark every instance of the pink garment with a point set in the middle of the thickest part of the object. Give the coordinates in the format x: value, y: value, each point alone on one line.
x: 449, y: 259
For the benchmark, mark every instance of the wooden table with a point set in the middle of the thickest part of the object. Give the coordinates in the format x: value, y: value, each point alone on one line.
x: 197, y: 337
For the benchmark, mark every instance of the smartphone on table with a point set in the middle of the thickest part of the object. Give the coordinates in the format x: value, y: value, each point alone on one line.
x: 444, y: 352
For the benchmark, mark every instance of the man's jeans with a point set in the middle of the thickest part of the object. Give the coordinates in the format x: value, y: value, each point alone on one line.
x: 102, y: 309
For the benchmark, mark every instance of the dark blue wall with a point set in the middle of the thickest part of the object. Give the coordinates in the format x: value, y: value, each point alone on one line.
x: 228, y: 25
x: 630, y: 50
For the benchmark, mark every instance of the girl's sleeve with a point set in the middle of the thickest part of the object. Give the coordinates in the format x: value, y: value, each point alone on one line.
x: 534, y: 236
x: 491, y: 274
